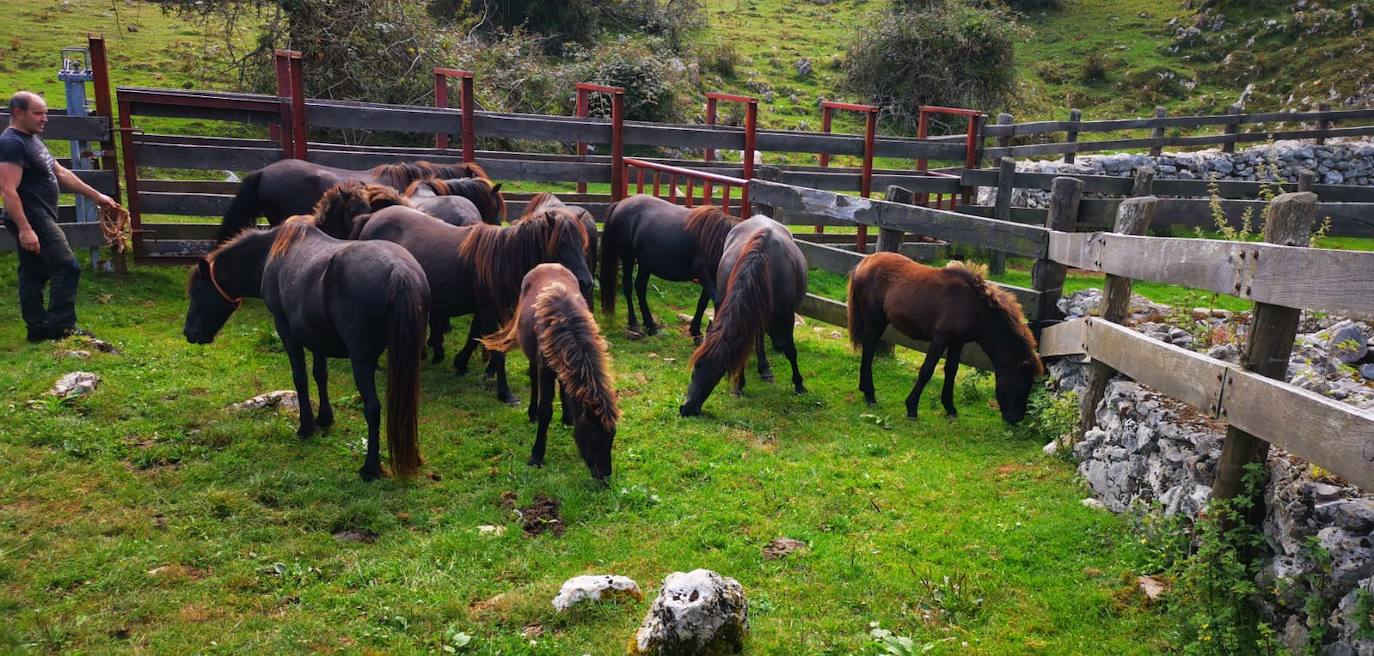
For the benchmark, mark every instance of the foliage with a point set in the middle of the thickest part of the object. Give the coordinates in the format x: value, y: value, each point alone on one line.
x: 949, y: 54
x: 1094, y: 67
x: 652, y: 91
x: 577, y: 21
x: 353, y: 49
x: 1050, y: 417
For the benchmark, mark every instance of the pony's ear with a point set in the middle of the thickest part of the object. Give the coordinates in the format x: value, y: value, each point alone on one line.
x: 204, y: 266
x: 551, y: 216
x: 496, y: 188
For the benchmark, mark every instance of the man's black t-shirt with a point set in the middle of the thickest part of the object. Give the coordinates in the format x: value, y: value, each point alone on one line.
x: 38, y: 186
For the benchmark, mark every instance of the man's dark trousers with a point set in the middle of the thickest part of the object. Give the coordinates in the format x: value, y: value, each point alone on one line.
x: 53, y: 263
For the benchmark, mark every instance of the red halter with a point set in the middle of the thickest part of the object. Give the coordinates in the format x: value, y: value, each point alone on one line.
x: 238, y: 302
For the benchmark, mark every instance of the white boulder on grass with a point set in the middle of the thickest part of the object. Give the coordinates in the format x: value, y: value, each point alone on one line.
x: 698, y: 612
x: 595, y: 587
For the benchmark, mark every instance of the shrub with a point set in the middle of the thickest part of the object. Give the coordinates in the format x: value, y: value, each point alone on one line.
x: 578, y: 21
x: 947, y: 54
x: 1094, y: 68
x: 651, y: 91
x: 721, y: 58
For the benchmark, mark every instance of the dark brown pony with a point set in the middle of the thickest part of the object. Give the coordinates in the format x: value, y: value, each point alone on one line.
x: 478, y: 269
x: 544, y: 199
x: 950, y: 307
x: 335, y: 299
x: 291, y: 186
x: 560, y: 338
x: 761, y: 283
x: 459, y: 201
x: 336, y: 211
x: 665, y: 240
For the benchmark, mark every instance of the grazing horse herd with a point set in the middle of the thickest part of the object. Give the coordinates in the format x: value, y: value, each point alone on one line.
x: 363, y: 262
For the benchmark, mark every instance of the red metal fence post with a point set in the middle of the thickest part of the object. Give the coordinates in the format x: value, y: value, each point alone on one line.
x: 581, y: 112
x: 469, y: 129
x: 100, y: 69
x: 618, y: 186
x: 751, y: 118
x: 440, y: 100
x: 299, y: 136
x: 709, y: 155
x: 126, y: 144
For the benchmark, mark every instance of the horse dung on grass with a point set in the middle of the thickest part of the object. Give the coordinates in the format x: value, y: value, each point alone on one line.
x: 761, y: 282
x: 560, y: 337
x: 336, y: 299
x: 950, y: 307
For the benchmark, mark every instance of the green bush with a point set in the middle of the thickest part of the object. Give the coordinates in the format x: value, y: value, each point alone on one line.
x: 947, y: 53
x: 651, y: 92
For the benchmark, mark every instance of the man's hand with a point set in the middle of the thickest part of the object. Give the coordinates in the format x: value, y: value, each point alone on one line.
x: 105, y: 202
x: 28, y: 240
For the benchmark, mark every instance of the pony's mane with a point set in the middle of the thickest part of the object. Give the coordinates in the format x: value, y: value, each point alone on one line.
x: 334, y: 212
x: 502, y: 256
x: 402, y: 173
x: 743, y: 311
x: 999, y: 300
x: 289, y: 234
x: 709, y: 226
x: 538, y: 201
x: 415, y: 185
x: 573, y: 347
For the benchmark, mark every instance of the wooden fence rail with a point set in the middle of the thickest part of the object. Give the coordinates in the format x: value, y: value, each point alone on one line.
x: 1337, y: 436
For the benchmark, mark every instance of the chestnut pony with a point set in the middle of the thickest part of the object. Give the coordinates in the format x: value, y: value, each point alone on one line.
x: 950, y: 307
x: 559, y: 336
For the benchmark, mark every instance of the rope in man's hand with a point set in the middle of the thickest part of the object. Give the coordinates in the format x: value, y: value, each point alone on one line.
x: 115, y: 226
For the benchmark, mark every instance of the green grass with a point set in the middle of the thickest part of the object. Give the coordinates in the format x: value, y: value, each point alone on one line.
x: 152, y: 471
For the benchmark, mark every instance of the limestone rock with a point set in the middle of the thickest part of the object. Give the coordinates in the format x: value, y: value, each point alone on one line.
x: 74, y: 384
x: 697, y: 613
x: 593, y: 588
x: 1347, y: 343
x: 280, y: 399
x: 780, y: 547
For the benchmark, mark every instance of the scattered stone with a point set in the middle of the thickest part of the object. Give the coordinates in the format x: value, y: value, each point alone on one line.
x: 280, y: 399
x: 698, y: 612
x: 1224, y: 352
x: 532, y: 631
x: 1051, y: 448
x: 1093, y: 503
x: 75, y: 384
x: 835, y: 334
x: 780, y: 547
x: 75, y: 354
x: 804, y: 67
x: 1347, y: 343
x: 1367, y: 371
x: 596, y: 587
x: 491, y: 530
x: 1152, y: 587
x: 97, y: 344
x: 541, y: 516
x: 356, y: 535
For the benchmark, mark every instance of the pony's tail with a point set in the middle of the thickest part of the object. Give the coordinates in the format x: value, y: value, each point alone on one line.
x: 745, y: 310
x: 610, y: 262
x: 505, y: 338
x: 857, y: 308
x: 243, y: 211
x: 409, y: 316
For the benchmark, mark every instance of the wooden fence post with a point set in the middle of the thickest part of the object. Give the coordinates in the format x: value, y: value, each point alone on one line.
x: 1006, y: 187
x: 1158, y: 133
x: 1307, y: 180
x: 1323, y: 124
x: 769, y: 174
x: 1004, y: 118
x: 1072, y: 136
x: 1144, y: 179
x: 1132, y: 218
x: 890, y: 240
x: 1229, y: 145
x: 1273, y: 329
x: 1047, y: 276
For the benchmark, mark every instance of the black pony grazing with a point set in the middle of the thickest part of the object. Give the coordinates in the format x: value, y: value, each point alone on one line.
x: 544, y: 200
x: 459, y: 201
x: 761, y: 283
x: 477, y: 269
x: 337, y: 299
x: 665, y: 240
x: 291, y: 186
x: 560, y: 338
x: 950, y: 307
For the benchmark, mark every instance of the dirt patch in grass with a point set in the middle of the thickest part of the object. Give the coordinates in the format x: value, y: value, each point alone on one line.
x: 542, y: 516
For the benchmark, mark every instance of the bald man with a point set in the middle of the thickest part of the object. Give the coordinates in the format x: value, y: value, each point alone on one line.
x: 29, y: 183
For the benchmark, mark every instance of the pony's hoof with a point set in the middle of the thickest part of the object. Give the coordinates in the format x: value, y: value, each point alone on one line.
x: 871, y: 400
x: 911, y: 416
x: 685, y: 411
x: 650, y: 329
x: 371, y: 473
x: 324, y: 419
x: 509, y: 399
x: 951, y: 415
x: 305, y: 431
x: 567, y: 421
x: 698, y: 339
x: 799, y: 389
x: 634, y: 333
x: 460, y: 369
x: 767, y: 377
x: 535, y: 463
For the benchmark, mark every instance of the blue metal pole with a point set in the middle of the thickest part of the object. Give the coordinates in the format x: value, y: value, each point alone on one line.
x: 75, y: 73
